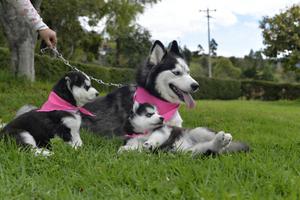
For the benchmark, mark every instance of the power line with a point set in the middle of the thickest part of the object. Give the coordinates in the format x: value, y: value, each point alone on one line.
x: 208, y: 35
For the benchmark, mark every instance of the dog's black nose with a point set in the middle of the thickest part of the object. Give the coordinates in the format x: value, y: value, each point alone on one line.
x: 97, y: 94
x: 162, y: 119
x: 194, y: 86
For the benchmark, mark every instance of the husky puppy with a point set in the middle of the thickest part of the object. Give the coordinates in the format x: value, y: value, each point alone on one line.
x: 164, y: 79
x: 59, y: 116
x: 153, y: 134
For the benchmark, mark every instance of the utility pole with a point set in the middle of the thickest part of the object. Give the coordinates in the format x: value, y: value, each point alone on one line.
x: 208, y: 35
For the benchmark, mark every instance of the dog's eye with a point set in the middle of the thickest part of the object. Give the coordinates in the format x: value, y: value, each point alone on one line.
x: 87, y: 87
x: 176, y: 73
x: 149, y: 114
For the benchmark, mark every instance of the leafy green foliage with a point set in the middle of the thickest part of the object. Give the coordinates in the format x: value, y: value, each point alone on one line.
x: 120, y: 24
x: 264, y: 90
x: 49, y: 69
x: 281, y: 35
x: 133, y: 48
x: 223, y: 68
x: 211, y: 88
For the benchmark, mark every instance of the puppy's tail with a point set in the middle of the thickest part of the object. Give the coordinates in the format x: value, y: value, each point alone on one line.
x: 235, y: 147
x: 2, y: 125
x: 25, y: 109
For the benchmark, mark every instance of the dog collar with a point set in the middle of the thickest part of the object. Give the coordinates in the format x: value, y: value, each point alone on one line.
x: 55, y: 102
x: 165, y: 109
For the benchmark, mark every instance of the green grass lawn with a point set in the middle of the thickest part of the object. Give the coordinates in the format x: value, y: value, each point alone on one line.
x: 96, y: 171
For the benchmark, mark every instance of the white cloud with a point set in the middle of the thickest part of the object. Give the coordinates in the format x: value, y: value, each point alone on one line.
x: 179, y: 19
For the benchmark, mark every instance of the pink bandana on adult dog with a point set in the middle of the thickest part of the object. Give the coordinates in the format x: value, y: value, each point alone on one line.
x: 55, y: 102
x: 164, y: 108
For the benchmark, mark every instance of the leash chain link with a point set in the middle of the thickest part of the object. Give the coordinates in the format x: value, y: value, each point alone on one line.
x: 66, y: 62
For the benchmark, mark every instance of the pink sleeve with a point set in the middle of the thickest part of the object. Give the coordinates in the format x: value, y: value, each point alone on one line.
x: 26, y: 9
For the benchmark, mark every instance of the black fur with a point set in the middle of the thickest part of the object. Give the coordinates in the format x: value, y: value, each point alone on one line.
x: 69, y: 80
x: 176, y: 133
x: 113, y: 110
x: 146, y: 76
x: 43, y: 126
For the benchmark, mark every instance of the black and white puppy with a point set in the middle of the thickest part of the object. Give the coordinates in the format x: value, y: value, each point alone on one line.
x: 59, y: 116
x: 154, y: 134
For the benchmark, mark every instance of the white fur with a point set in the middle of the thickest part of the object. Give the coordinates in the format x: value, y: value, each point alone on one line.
x: 27, y: 138
x: 74, y: 124
x: 176, y: 120
x: 83, y: 96
x: 42, y: 152
x: 2, y: 125
x: 182, y: 81
x: 157, y: 138
x: 156, y: 54
x: 143, y: 123
x: 197, y: 140
x: 134, y: 144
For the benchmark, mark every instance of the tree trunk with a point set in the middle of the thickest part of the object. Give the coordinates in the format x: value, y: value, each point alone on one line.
x: 21, y: 39
x: 117, y: 58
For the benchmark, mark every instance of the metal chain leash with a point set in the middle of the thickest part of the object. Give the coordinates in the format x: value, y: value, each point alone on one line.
x: 66, y: 62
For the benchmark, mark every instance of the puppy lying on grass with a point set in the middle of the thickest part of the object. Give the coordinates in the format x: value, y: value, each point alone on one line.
x: 146, y: 130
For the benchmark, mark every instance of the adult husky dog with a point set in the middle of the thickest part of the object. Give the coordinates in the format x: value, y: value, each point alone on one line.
x: 164, y: 79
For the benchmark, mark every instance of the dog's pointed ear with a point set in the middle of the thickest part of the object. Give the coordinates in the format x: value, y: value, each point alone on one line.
x: 68, y: 82
x: 135, y: 106
x: 174, y: 48
x: 157, y: 52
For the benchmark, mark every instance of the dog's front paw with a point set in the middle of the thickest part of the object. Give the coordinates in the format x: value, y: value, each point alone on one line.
x: 124, y: 149
x: 149, y: 145
x: 42, y: 152
x: 75, y: 143
x: 222, y: 140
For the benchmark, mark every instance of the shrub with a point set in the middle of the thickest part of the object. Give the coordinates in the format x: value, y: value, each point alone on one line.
x: 223, y: 68
x: 264, y: 90
x: 217, y: 89
x: 50, y: 69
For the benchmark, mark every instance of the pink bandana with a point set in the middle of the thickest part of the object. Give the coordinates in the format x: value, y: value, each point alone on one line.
x: 165, y: 109
x: 55, y: 102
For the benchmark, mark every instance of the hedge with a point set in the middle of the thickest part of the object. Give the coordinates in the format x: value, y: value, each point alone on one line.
x: 265, y: 90
x: 50, y: 69
x: 217, y: 89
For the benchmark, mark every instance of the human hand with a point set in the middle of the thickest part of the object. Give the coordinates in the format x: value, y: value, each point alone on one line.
x: 49, y: 36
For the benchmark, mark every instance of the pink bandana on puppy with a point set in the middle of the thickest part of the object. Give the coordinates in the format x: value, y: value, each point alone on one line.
x: 164, y: 108
x: 55, y: 102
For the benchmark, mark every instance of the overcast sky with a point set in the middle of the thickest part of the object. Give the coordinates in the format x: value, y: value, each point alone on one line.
x: 234, y: 24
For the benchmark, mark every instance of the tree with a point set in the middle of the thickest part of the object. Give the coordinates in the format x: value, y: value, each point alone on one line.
x: 281, y: 36
x: 63, y: 17
x: 21, y: 39
x: 118, y: 15
x: 224, y: 68
x: 213, y: 47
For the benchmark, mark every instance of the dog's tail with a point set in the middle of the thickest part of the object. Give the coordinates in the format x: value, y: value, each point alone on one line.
x: 2, y: 125
x: 235, y: 147
x: 24, y: 109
